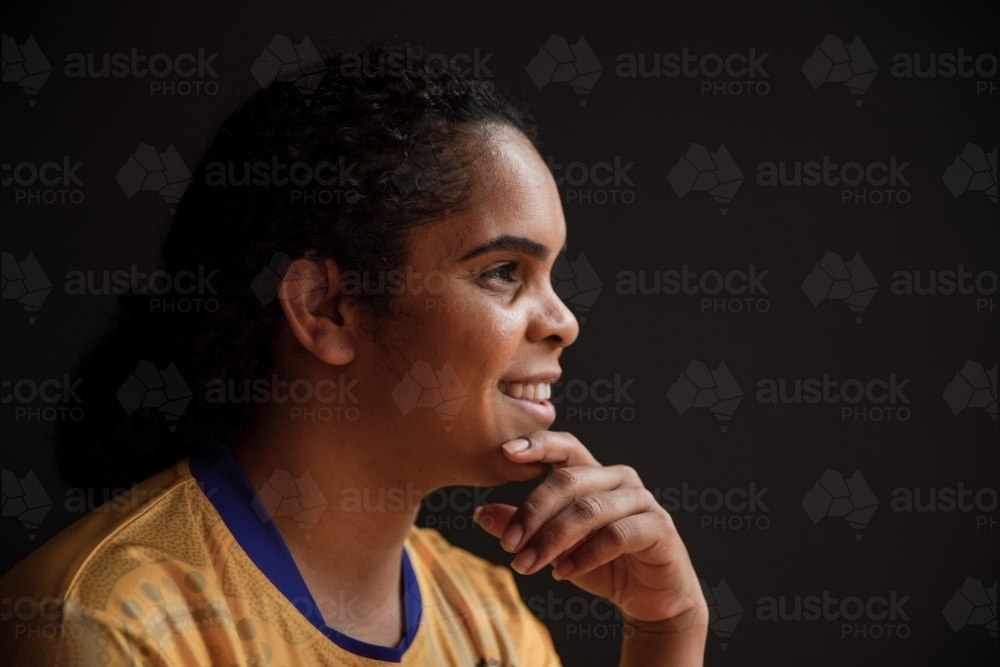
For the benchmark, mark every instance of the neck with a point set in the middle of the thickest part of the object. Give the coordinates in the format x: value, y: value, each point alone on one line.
x: 350, y: 557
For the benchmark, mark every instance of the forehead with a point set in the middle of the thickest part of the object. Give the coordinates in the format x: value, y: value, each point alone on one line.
x: 512, y: 193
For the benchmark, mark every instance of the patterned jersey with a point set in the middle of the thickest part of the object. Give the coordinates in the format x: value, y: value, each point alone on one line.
x: 157, y: 577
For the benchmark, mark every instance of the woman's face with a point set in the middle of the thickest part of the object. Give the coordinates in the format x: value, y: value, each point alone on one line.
x: 471, y: 364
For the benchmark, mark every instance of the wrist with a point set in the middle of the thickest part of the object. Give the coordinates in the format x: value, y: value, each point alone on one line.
x: 694, y: 620
x: 676, y: 641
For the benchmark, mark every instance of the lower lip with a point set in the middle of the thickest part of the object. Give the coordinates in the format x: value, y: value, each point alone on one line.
x: 541, y: 411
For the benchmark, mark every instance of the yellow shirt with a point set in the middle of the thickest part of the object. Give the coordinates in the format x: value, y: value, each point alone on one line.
x: 156, y: 577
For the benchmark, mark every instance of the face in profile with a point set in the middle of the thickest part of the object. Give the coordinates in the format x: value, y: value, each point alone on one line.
x: 481, y: 309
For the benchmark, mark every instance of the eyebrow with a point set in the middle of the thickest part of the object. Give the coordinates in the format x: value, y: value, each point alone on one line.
x: 519, y: 244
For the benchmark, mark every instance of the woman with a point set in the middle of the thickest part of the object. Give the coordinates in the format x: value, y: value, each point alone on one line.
x: 378, y: 239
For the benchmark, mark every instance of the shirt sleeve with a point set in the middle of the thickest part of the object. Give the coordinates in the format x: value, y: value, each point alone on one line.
x: 69, y: 635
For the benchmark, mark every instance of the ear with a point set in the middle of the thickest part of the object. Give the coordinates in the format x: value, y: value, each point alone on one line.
x: 318, y: 314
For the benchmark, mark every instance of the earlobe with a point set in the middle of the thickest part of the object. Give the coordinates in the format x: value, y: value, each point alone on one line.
x: 317, y: 312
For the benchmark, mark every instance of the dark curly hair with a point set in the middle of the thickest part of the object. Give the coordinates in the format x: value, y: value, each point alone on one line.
x: 381, y: 145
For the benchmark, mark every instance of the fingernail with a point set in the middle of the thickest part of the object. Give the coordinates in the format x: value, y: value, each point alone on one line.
x: 475, y: 514
x: 515, y: 446
x: 564, y: 570
x: 524, y: 560
x: 512, y: 537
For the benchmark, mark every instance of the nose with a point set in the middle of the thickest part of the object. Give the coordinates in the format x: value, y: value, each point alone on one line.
x: 552, y: 320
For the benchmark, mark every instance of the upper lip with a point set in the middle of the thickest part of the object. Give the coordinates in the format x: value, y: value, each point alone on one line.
x: 537, y: 378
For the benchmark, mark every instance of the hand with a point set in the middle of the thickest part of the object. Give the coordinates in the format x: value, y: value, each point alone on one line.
x: 600, y: 528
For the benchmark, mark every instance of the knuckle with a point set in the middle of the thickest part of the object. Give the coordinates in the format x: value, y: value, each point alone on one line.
x: 649, y: 500
x: 541, y: 438
x: 631, y: 476
x: 588, y: 508
x: 548, y: 537
x: 564, y: 478
x: 617, y: 534
x: 530, y: 510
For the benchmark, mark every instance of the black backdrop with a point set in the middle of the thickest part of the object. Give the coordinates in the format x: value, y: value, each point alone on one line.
x: 817, y: 527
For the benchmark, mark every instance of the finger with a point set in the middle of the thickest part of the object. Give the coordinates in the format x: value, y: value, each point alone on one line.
x: 556, y: 492
x: 581, y: 517
x: 632, y: 534
x: 493, y: 518
x: 557, y: 448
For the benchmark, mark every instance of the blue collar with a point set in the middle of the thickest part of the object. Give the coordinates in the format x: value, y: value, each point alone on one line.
x: 234, y: 499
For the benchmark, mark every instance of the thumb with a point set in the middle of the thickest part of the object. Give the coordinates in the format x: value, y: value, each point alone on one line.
x: 493, y: 518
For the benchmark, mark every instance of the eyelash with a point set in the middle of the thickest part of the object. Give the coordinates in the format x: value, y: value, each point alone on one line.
x: 501, y: 273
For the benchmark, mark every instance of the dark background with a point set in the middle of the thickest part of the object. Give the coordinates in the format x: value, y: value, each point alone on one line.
x: 646, y: 339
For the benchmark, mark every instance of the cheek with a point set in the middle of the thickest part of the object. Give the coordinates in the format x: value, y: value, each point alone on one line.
x: 478, y: 338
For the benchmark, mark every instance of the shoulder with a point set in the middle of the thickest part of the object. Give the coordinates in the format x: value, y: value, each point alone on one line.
x: 89, y: 595
x: 162, y: 515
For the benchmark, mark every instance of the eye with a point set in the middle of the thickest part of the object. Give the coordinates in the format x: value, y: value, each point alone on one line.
x: 501, y: 273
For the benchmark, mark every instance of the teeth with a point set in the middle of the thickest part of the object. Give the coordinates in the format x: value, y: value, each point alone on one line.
x: 537, y: 391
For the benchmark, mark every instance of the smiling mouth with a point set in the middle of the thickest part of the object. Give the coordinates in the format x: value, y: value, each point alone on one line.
x: 529, y: 391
